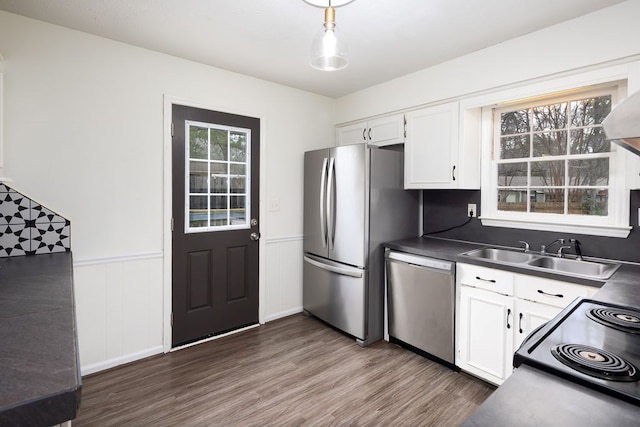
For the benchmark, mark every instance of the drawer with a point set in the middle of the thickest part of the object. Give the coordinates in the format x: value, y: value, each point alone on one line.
x: 485, y: 278
x: 551, y: 292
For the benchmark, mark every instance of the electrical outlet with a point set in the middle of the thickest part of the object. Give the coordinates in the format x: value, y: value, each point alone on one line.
x: 471, y: 210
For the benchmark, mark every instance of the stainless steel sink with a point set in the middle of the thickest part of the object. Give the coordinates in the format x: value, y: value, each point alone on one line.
x: 504, y: 255
x: 601, y: 270
x: 595, y: 270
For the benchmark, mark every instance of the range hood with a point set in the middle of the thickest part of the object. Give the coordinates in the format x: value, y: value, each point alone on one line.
x: 622, y: 125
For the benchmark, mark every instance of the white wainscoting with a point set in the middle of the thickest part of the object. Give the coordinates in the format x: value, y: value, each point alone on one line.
x: 119, y: 302
x: 118, y: 309
x: 283, y: 278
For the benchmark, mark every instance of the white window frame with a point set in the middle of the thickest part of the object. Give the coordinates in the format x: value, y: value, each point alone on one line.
x: 616, y: 224
x: 212, y: 228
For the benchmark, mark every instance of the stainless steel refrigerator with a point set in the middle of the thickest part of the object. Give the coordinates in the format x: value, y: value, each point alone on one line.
x: 354, y: 200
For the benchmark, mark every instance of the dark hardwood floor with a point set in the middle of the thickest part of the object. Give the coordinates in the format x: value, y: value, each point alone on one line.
x: 289, y: 372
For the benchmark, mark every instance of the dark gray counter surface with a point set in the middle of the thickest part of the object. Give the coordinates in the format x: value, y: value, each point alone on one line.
x: 530, y: 397
x: 39, y: 371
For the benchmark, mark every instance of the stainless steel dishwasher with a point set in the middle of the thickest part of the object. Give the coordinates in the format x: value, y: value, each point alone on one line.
x: 420, y: 303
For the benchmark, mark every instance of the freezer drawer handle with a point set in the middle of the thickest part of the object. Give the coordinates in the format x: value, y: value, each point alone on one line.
x: 540, y: 291
x: 485, y: 280
x: 334, y: 269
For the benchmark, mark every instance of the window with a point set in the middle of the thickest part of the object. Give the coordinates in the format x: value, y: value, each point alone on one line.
x: 552, y: 167
x: 217, y: 177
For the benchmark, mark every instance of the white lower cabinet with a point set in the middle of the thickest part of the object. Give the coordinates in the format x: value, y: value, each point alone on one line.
x: 484, y: 333
x: 529, y: 316
x: 496, y: 312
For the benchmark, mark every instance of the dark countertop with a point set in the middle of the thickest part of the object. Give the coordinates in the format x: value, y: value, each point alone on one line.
x: 40, y: 379
x: 530, y: 397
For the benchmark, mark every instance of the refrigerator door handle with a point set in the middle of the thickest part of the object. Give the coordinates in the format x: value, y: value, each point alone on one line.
x: 345, y: 271
x: 323, y: 190
x: 330, y: 219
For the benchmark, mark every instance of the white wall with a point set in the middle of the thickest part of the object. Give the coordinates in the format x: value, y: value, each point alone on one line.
x: 607, y: 35
x: 83, y: 135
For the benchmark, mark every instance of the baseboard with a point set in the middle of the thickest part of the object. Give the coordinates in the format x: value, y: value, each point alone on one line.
x: 112, y: 363
x: 282, y: 314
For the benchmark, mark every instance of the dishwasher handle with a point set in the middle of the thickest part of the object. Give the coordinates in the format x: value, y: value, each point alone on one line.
x: 420, y: 261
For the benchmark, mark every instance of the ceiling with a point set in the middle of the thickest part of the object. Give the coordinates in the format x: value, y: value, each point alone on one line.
x: 271, y: 39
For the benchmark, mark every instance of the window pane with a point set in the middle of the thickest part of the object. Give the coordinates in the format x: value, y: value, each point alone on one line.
x: 547, y: 200
x: 547, y: 117
x: 512, y: 200
x: 547, y: 174
x: 589, y: 202
x: 219, y: 144
x: 238, y: 210
x: 218, y: 212
x: 238, y: 179
x: 514, y: 147
x: 590, y: 111
x: 198, y: 142
x: 198, y: 211
x: 550, y: 144
x: 219, y: 177
x: 238, y: 146
x: 512, y: 174
x: 592, y: 172
x: 514, y: 122
x: 198, y: 173
x: 589, y: 140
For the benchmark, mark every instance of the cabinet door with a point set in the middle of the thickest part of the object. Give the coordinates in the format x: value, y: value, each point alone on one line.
x: 431, y: 147
x: 485, y: 334
x: 352, y: 134
x: 386, y: 130
x: 529, y: 316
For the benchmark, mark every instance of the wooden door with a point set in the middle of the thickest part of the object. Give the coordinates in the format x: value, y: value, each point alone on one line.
x: 215, y: 159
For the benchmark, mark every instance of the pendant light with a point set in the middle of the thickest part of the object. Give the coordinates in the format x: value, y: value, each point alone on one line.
x: 328, y: 51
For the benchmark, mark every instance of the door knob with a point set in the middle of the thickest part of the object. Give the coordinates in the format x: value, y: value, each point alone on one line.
x: 254, y: 236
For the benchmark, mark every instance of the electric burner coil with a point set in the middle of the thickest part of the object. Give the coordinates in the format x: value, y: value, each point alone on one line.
x: 595, y: 362
x: 623, y: 320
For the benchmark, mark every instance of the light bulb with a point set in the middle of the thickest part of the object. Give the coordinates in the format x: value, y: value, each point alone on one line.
x: 328, y: 53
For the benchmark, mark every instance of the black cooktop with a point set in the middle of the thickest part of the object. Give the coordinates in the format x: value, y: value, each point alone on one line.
x: 592, y: 343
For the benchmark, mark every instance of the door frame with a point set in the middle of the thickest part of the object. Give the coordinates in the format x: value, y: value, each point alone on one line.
x: 167, y: 210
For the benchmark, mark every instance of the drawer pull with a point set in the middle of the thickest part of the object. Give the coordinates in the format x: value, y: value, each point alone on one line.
x: 551, y: 295
x: 487, y: 280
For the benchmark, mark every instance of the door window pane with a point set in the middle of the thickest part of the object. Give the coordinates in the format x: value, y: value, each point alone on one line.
x: 198, y: 173
x: 217, y: 176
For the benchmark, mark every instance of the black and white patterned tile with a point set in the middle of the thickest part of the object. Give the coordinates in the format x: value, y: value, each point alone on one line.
x: 28, y: 228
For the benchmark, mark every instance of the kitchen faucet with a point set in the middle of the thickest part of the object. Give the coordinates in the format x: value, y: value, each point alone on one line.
x: 526, y: 246
x: 576, y: 247
x: 560, y: 249
x: 543, y: 248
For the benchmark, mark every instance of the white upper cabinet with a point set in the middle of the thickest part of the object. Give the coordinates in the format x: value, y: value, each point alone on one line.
x: 442, y: 148
x: 382, y: 131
